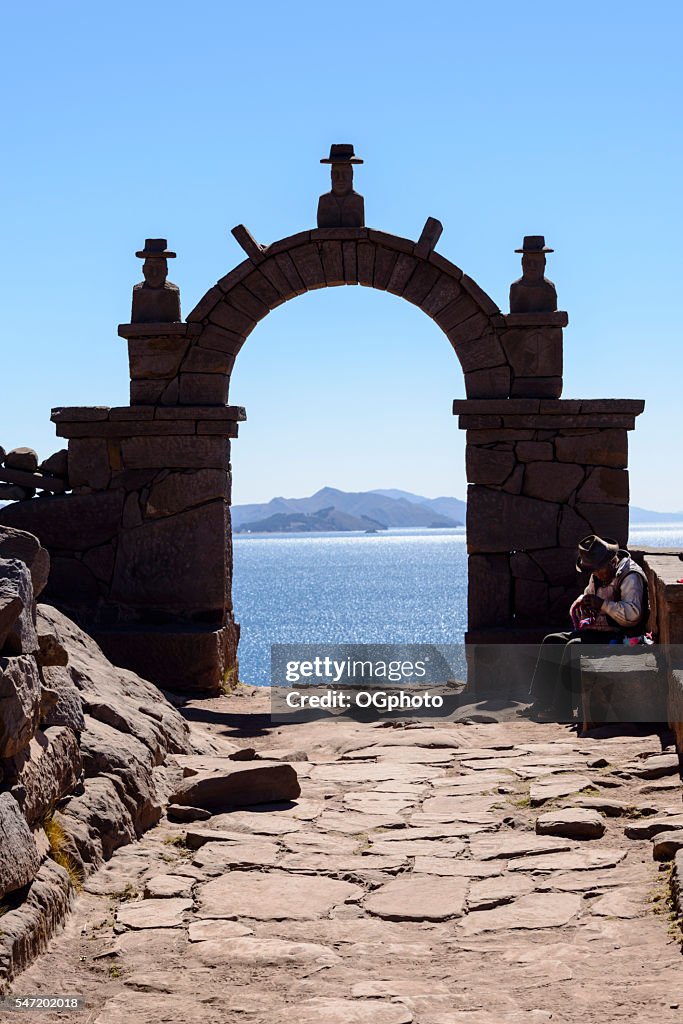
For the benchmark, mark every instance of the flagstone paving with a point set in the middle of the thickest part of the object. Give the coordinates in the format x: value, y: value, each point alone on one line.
x: 407, y: 885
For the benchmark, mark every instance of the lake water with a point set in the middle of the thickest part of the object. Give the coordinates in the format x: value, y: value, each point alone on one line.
x: 399, y: 586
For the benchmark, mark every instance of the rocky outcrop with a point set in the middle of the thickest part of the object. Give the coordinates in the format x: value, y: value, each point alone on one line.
x: 86, y: 759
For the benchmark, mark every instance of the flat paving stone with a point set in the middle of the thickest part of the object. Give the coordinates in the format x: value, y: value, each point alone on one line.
x: 165, y: 886
x: 163, y: 913
x: 266, y: 824
x: 652, y: 826
x: 326, y: 864
x: 666, y: 845
x: 512, y: 844
x: 623, y: 903
x: 574, y: 860
x: 424, y: 864
x: 259, y: 951
x: 378, y: 803
x: 532, y: 912
x: 205, y: 931
x: 275, y: 896
x: 550, y: 787
x: 403, y: 754
x: 418, y: 847
x: 492, y: 892
x: 344, y: 1011
x: 236, y: 855
x: 424, y: 898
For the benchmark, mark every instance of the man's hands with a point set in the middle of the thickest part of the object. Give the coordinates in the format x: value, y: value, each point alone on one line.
x: 584, y: 604
x: 591, y: 602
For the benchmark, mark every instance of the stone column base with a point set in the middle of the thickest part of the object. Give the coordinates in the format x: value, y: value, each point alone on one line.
x: 178, y: 658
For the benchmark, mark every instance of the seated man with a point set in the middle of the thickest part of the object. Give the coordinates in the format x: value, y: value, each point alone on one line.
x: 613, y: 605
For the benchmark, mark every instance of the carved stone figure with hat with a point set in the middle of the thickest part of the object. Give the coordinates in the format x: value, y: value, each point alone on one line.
x: 533, y: 292
x: 613, y: 607
x: 155, y: 300
x: 341, y: 207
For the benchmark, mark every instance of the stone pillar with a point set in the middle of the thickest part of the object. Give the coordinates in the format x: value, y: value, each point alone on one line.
x: 542, y: 474
x: 156, y: 353
x: 141, y: 548
x: 532, y: 343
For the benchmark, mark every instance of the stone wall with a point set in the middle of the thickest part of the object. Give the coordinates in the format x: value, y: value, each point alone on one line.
x: 141, y: 548
x: 542, y: 474
x: 84, y: 755
x: 664, y: 570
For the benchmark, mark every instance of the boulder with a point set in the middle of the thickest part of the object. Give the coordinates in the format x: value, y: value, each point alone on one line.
x: 574, y: 823
x: 20, y: 696
x: 27, y: 548
x: 251, y: 783
x: 22, y: 458
x: 11, y: 607
x: 44, y: 771
x: 19, y: 857
x: 186, y: 815
x: 56, y: 465
x: 15, y: 585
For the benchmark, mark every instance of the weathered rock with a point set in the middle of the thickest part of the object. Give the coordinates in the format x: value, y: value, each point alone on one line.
x: 20, y: 695
x: 50, y: 651
x: 252, y: 783
x: 68, y: 707
x: 654, y: 767
x: 44, y: 771
x: 653, y: 826
x: 19, y: 858
x: 27, y: 548
x: 419, y: 898
x: 666, y: 845
x: 275, y: 896
x: 575, y: 823
x: 212, y: 931
x: 228, y: 856
x: 22, y: 458
x: 16, y: 591
x: 56, y: 465
x: 182, y: 815
x: 26, y: 931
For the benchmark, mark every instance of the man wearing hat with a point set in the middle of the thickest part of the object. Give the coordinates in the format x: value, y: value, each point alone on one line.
x: 533, y: 293
x: 613, y: 606
x: 342, y: 207
x: 155, y: 300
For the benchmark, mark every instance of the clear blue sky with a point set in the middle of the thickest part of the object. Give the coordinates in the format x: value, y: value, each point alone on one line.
x: 181, y: 119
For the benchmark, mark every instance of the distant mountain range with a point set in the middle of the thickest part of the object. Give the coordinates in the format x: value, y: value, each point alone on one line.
x: 330, y: 509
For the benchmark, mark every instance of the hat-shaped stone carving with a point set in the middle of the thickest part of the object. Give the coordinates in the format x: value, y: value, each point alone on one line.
x: 534, y: 243
x: 341, y: 153
x: 155, y: 248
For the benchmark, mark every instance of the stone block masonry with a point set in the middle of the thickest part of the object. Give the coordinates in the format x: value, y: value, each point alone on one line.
x: 141, y: 548
x: 542, y: 474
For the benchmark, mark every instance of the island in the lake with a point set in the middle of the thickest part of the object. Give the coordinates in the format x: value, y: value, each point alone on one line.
x: 332, y: 510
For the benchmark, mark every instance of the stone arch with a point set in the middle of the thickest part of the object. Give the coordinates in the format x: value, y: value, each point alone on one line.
x: 324, y: 258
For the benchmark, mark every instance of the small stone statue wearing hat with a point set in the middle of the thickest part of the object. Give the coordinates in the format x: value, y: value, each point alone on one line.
x: 342, y: 207
x: 533, y: 293
x: 155, y: 300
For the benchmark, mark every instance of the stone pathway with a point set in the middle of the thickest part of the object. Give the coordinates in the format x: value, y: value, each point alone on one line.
x: 408, y: 885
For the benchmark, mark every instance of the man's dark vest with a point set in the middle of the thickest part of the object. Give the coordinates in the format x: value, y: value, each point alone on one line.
x: 635, y: 628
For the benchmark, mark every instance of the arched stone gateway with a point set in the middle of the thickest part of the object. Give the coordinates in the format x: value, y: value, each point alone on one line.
x: 140, y: 548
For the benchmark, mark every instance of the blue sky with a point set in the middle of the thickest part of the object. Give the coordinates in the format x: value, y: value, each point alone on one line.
x: 181, y: 120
